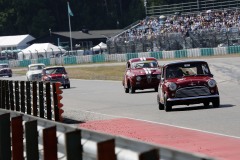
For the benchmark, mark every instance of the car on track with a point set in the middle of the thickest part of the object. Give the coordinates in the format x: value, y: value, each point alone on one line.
x: 185, y: 83
x: 141, y: 73
x: 5, y: 70
x: 34, y: 72
x: 56, y: 74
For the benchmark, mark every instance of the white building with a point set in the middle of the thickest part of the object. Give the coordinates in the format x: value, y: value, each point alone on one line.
x: 15, y: 42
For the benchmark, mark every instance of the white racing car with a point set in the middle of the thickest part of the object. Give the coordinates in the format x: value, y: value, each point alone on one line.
x: 34, y: 72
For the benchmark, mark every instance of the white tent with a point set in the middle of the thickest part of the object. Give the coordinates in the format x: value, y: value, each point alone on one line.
x: 40, y: 50
x: 15, y: 42
x: 101, y: 46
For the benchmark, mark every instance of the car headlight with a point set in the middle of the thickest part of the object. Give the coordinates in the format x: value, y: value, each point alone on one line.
x: 138, y: 78
x: 212, y: 83
x: 158, y: 76
x: 65, y: 76
x: 172, y: 86
x: 48, y: 79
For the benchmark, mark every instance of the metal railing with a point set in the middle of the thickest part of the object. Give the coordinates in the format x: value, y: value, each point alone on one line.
x: 192, y: 7
x: 28, y: 137
x: 174, y: 41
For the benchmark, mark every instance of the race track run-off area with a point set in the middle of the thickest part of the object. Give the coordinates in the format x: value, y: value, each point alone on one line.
x: 217, y: 146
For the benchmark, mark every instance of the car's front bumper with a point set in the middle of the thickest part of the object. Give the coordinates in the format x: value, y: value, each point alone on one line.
x: 193, y: 100
x: 62, y: 81
x: 146, y: 85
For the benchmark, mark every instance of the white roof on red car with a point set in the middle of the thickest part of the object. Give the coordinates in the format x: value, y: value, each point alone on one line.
x: 142, y: 59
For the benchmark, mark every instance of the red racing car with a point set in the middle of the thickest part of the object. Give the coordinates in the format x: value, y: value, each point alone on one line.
x: 185, y: 83
x: 141, y: 73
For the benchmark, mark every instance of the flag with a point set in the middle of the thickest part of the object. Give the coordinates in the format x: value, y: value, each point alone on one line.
x: 69, y: 10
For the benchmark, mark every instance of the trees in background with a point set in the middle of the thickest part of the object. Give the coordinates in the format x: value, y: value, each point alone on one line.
x: 37, y: 17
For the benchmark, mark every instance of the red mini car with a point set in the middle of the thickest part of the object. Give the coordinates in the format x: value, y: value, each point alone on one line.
x: 56, y: 74
x: 185, y: 83
x: 141, y: 73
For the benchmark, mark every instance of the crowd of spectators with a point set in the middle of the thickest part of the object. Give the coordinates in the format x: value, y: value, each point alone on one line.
x: 220, y: 21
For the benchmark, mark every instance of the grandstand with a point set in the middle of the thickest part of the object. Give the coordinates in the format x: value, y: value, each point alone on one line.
x: 200, y: 24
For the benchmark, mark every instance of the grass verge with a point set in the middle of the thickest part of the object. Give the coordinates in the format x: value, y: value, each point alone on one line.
x: 91, y: 73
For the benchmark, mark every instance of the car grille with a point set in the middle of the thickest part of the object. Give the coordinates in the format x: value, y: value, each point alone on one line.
x: 36, y: 76
x: 149, y: 78
x: 192, y: 92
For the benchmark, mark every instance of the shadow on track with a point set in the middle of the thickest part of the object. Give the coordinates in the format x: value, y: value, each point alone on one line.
x: 191, y: 108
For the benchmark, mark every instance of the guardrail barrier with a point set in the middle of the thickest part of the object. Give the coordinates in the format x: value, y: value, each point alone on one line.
x: 32, y: 97
x: 28, y: 137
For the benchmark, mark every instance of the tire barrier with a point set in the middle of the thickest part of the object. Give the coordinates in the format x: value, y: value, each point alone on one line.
x: 28, y: 137
x: 33, y: 98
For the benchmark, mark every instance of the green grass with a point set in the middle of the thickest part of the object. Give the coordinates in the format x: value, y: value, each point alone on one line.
x: 91, y: 73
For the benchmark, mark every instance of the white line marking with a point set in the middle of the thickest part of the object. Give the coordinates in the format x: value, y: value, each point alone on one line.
x: 163, y: 124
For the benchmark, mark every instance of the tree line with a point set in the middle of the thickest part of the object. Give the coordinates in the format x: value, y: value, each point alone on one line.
x: 38, y: 17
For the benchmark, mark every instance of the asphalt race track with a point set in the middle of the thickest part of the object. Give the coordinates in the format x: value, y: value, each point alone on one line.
x: 96, y: 100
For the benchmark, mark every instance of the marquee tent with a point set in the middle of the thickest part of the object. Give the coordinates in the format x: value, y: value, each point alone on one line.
x: 40, y: 50
x: 100, y: 46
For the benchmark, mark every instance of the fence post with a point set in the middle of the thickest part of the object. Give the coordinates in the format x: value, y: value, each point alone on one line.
x: 48, y: 100
x: 22, y: 92
x: 28, y: 90
x: 5, y: 140
x: 3, y: 95
x: 50, y: 143
x: 31, y: 135
x: 73, y: 148
x: 1, y: 91
x: 7, y: 106
x: 150, y: 155
x: 34, y: 98
x: 11, y: 95
x: 41, y: 99
x: 17, y: 96
x: 17, y: 138
x: 106, y: 150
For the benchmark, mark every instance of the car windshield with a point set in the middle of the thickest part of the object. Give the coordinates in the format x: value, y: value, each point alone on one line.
x: 144, y: 64
x: 187, y: 69
x: 55, y: 71
x: 39, y: 67
x: 3, y: 66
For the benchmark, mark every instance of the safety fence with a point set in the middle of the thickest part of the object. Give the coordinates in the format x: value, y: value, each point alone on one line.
x: 31, y: 97
x: 186, y: 53
x: 28, y: 137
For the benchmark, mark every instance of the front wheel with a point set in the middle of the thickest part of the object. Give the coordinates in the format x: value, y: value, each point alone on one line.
x: 68, y: 85
x: 131, y: 89
x: 216, y: 103
x: 206, y: 104
x: 167, y: 105
x: 160, y: 105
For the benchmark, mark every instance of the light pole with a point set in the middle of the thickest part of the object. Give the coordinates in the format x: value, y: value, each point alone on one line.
x: 52, y: 51
x: 22, y: 53
x: 30, y: 53
x: 37, y: 53
x: 45, y: 53
x: 145, y: 5
x: 60, y: 56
